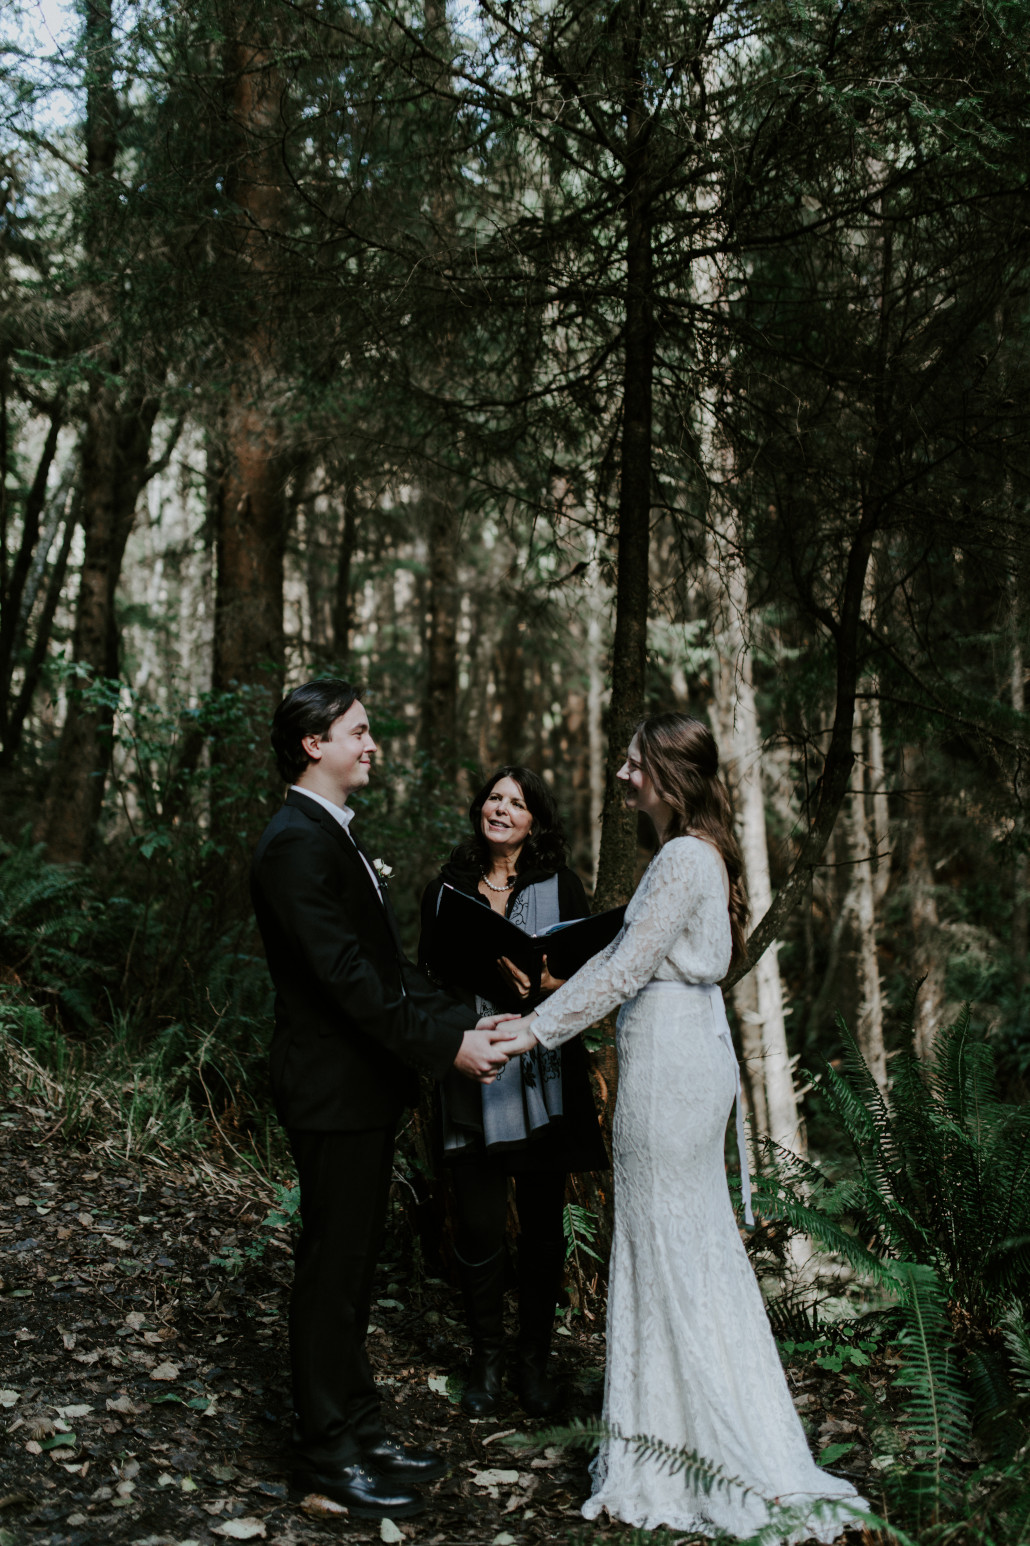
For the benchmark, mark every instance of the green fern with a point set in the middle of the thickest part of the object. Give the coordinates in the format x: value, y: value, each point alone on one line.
x: 1016, y: 1332
x: 698, y: 1472
x: 942, y: 1175
x: 936, y: 1411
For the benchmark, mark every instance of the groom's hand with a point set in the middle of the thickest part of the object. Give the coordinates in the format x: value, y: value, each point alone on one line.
x: 490, y: 1022
x: 481, y: 1055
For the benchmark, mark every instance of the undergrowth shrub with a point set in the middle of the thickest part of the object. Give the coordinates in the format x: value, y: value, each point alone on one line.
x: 935, y: 1210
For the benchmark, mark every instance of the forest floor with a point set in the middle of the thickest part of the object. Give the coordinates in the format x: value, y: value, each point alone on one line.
x: 143, y: 1384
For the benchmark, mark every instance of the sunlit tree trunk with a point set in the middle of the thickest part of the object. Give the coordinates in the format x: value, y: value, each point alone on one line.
x: 922, y: 902
x: 760, y: 1007
x: 878, y: 803
x: 861, y: 907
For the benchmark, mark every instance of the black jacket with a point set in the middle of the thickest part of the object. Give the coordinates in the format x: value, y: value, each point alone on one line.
x: 353, y: 1019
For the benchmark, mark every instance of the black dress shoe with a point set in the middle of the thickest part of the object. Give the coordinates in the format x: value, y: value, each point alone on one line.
x: 365, y: 1493
x: 403, y: 1462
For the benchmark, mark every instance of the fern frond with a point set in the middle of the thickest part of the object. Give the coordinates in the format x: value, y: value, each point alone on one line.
x: 937, y: 1408
x: 1016, y: 1331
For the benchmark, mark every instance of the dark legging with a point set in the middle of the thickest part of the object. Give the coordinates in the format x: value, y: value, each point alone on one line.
x: 482, y: 1198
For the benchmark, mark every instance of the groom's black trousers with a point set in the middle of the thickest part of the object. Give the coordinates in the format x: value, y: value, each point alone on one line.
x: 344, y: 1183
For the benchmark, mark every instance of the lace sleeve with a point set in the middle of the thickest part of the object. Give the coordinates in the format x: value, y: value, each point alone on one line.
x: 683, y: 877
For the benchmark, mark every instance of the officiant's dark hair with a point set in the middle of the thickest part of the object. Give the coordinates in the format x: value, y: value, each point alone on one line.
x: 544, y: 849
x: 679, y: 755
x: 307, y: 710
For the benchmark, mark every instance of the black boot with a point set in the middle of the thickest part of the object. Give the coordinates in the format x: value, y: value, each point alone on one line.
x: 540, y: 1267
x: 482, y: 1289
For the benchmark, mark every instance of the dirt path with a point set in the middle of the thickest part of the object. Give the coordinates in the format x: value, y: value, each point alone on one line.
x: 143, y: 1379
x: 143, y: 1388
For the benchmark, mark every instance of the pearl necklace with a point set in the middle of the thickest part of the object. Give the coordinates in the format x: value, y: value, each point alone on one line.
x: 489, y: 883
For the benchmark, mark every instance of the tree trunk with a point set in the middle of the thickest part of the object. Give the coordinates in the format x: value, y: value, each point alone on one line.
x: 616, y: 861
x: 1021, y: 865
x: 925, y: 922
x: 115, y: 453
x: 439, y: 725
x: 14, y: 585
x: 114, y: 456
x: 878, y: 801
x: 759, y: 997
x: 343, y: 610
x: 250, y: 503
x: 595, y: 710
x: 784, y: 1125
x: 250, y: 548
x: 41, y: 640
x: 862, y: 910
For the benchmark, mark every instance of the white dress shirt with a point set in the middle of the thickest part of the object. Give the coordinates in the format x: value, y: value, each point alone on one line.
x: 344, y: 815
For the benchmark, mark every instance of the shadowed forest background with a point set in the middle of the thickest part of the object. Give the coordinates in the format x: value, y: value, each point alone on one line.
x: 538, y: 366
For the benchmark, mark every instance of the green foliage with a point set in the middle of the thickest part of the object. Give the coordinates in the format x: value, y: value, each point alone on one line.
x: 934, y: 1211
x: 580, y: 1227
x: 54, y: 931
x: 936, y: 1411
x: 283, y: 1215
x: 938, y: 1179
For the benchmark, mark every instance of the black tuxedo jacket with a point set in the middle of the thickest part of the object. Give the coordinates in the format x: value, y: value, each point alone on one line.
x: 353, y: 1018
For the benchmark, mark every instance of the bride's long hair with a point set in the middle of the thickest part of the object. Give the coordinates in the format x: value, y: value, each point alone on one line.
x: 680, y: 757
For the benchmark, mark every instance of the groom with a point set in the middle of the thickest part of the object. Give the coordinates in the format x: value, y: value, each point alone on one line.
x: 353, y: 1021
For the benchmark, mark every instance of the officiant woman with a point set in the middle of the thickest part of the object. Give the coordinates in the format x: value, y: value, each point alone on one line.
x: 536, y: 1121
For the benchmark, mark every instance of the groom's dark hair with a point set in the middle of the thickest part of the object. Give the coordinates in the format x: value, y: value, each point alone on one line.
x: 307, y: 710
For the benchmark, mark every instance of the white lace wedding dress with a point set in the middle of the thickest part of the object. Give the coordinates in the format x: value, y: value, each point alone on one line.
x: 691, y: 1358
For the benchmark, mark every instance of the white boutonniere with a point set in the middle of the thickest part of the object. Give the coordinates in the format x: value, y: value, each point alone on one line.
x: 382, y: 869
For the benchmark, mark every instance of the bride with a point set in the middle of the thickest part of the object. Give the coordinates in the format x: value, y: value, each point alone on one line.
x: 691, y: 1359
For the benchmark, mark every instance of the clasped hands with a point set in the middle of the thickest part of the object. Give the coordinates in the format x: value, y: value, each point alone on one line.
x: 495, y: 1040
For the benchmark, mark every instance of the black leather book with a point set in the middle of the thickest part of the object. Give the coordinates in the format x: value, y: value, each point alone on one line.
x: 469, y: 939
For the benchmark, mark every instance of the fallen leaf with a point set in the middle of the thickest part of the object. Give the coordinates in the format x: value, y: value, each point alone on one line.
x: 318, y: 1507
x: 135, y: 1320
x: 495, y: 1478
x: 123, y: 1405
x: 57, y: 1441
x: 504, y: 1539
x: 438, y: 1382
x: 834, y: 1452
x: 389, y: 1532
x: 73, y: 1411
x: 240, y: 1529
x: 165, y: 1371
x: 9, y: 1397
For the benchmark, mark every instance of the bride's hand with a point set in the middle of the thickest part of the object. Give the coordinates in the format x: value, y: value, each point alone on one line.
x: 518, y: 1037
